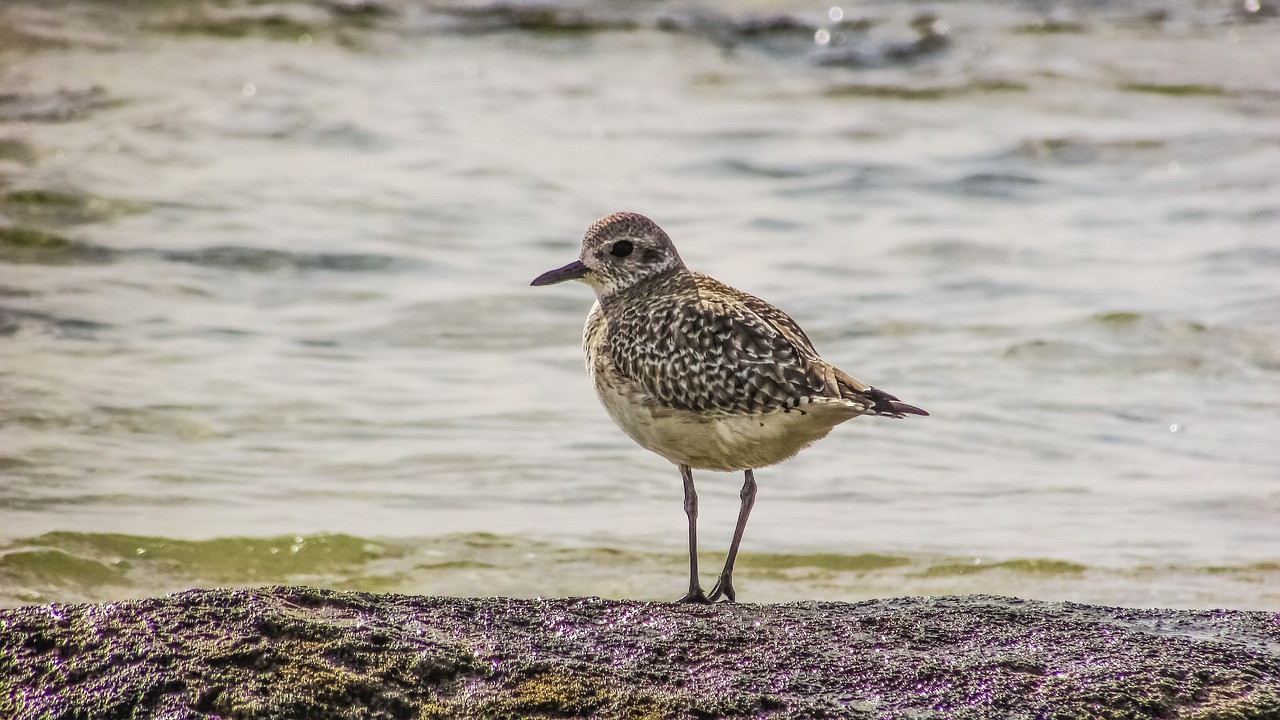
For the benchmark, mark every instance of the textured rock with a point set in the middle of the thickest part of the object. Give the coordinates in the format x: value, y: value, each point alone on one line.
x: 304, y: 653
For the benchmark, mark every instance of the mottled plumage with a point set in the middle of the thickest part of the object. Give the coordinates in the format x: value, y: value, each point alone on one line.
x: 697, y: 344
x: 705, y: 375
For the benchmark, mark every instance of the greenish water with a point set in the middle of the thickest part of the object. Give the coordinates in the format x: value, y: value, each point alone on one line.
x: 265, y: 315
x: 82, y: 567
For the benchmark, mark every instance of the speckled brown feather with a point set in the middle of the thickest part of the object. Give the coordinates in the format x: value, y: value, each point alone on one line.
x: 699, y: 350
x: 697, y: 344
x: 668, y: 337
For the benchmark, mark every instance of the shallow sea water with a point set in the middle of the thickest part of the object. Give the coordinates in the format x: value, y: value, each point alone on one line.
x: 265, y: 310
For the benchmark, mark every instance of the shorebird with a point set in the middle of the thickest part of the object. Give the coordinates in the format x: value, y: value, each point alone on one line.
x: 704, y: 375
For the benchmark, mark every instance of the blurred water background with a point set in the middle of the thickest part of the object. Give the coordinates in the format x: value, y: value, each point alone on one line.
x: 265, y: 315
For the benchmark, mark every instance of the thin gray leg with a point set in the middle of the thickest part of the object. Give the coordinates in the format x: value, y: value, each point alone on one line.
x: 724, y: 586
x: 695, y: 594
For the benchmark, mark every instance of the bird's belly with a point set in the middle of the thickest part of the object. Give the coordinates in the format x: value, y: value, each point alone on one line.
x: 718, y: 442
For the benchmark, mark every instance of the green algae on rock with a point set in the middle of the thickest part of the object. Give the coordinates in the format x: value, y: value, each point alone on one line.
x: 302, y: 653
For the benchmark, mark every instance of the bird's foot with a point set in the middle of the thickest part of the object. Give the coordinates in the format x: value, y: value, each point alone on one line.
x: 695, y: 595
x: 723, y: 589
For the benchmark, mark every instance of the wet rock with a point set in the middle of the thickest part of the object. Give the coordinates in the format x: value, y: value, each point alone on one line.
x: 305, y: 653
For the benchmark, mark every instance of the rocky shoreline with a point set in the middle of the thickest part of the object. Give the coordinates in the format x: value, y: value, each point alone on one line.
x: 292, y: 652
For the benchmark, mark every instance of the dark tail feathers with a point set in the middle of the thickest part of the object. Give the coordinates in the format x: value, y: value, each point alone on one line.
x: 882, y: 403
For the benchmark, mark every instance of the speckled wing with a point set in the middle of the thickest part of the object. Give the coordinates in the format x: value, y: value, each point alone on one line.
x: 706, y: 347
x: 834, y: 382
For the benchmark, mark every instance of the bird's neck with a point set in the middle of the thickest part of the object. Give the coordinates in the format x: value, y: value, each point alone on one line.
x: 669, y: 283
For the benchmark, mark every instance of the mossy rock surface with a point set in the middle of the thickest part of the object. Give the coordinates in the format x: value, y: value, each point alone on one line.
x: 302, y: 653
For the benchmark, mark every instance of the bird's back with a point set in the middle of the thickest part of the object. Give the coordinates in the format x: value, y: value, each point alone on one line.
x: 697, y: 344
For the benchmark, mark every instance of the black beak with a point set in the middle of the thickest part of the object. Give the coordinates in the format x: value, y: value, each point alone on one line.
x: 573, y: 271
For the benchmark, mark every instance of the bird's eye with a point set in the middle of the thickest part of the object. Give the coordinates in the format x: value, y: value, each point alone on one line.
x: 622, y: 248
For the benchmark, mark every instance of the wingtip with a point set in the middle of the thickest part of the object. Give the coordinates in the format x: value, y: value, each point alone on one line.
x: 890, y: 405
x: 904, y: 409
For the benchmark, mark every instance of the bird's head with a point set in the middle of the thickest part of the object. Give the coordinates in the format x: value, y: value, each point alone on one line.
x: 619, y: 251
